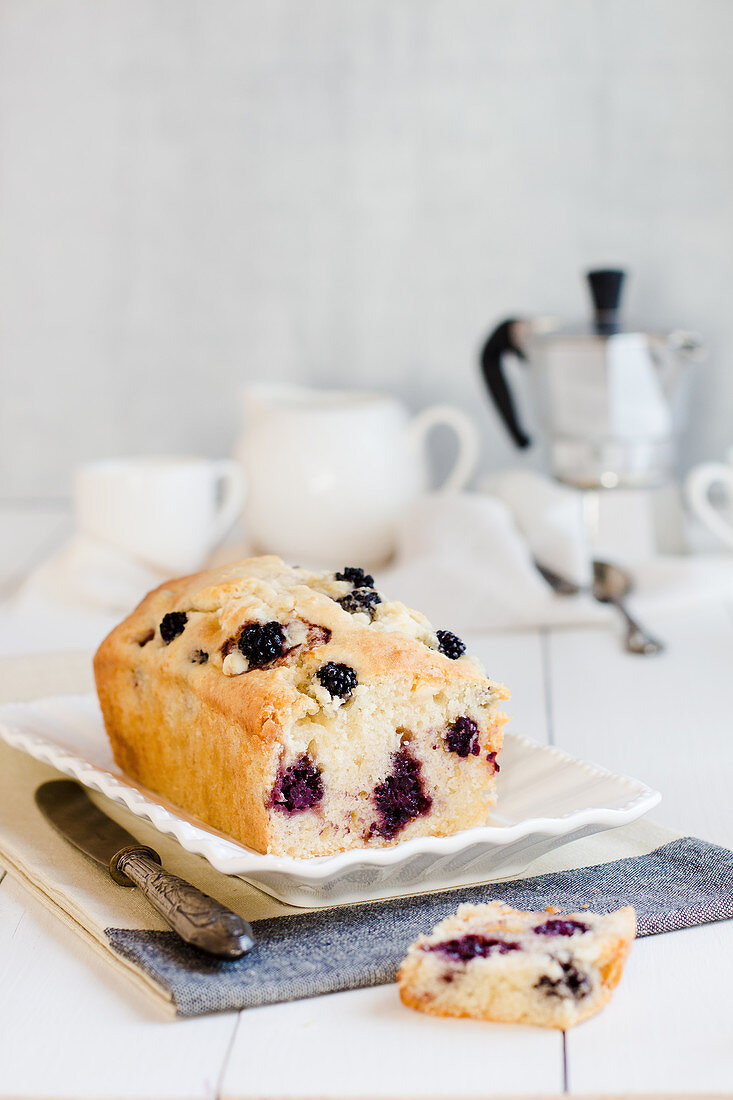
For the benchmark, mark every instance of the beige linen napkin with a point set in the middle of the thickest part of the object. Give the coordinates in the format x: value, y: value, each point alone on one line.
x: 67, y: 883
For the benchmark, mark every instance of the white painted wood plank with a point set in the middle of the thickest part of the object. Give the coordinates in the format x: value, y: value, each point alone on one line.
x: 71, y: 1028
x: 669, y: 1028
x: 366, y: 1043
x: 667, y: 719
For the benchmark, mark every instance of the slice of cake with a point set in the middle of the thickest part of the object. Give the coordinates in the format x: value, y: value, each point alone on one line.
x: 496, y: 963
x: 300, y: 712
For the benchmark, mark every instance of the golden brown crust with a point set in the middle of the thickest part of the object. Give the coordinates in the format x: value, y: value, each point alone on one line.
x: 379, y: 654
x: 212, y: 742
x: 423, y: 1003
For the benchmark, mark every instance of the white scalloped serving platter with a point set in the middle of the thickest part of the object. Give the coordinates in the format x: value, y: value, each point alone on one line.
x: 546, y: 798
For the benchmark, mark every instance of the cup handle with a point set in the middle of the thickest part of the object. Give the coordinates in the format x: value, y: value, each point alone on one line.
x: 698, y: 485
x: 467, y: 437
x: 228, y: 473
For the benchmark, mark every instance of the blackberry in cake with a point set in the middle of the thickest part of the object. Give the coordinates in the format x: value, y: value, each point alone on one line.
x: 492, y: 962
x: 450, y: 644
x: 300, y: 712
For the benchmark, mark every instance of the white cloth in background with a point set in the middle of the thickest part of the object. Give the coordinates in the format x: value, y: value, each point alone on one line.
x: 550, y: 517
x: 74, y: 598
x: 463, y: 561
x: 90, y: 575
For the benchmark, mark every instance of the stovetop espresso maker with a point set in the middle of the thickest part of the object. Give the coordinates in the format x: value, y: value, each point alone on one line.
x: 610, y: 398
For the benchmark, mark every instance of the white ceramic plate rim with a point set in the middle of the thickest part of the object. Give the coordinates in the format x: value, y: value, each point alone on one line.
x: 230, y: 857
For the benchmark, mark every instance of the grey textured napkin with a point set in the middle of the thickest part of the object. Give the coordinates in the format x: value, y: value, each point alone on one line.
x: 683, y: 883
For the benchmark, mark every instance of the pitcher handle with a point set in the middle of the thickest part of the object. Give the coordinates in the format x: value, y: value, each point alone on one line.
x: 230, y: 476
x: 466, y: 435
x: 698, y: 485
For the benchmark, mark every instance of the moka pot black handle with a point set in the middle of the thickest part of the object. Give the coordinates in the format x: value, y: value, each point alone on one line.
x: 498, y: 344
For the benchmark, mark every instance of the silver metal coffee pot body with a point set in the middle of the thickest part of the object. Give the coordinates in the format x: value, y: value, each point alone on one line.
x: 610, y: 400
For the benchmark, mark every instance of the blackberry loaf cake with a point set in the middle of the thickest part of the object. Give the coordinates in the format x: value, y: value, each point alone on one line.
x: 299, y: 712
x: 492, y: 962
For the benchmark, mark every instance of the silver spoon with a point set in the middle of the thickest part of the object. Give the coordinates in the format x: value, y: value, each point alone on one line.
x: 610, y: 585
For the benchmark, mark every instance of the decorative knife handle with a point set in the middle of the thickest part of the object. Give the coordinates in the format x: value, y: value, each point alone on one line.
x: 197, y: 918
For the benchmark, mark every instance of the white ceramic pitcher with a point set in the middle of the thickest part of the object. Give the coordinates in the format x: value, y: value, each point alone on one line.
x: 699, y: 482
x: 330, y: 472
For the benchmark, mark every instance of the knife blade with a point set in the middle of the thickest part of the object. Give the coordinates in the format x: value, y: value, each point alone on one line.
x: 198, y: 919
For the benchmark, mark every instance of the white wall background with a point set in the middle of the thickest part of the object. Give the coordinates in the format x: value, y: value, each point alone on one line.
x: 199, y: 192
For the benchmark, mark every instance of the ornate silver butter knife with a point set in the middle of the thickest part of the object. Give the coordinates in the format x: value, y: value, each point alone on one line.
x: 197, y: 918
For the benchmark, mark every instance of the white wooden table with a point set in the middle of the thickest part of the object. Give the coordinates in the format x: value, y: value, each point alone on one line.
x: 70, y: 1029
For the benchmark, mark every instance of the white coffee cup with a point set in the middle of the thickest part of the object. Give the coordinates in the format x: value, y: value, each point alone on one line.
x: 699, y: 482
x: 331, y: 472
x: 168, y: 512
